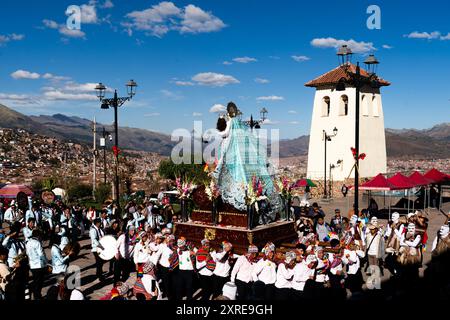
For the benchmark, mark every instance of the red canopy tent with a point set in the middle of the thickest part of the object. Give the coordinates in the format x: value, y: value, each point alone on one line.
x: 418, y: 179
x: 402, y: 182
x: 380, y: 183
x: 436, y: 176
x: 10, y: 191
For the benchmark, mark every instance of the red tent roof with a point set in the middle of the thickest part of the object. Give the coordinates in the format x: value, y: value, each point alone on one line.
x: 436, y: 176
x: 418, y: 179
x: 401, y: 181
x: 378, y: 183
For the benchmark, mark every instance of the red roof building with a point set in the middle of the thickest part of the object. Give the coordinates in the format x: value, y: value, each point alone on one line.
x: 418, y: 179
x: 379, y: 183
x: 340, y: 73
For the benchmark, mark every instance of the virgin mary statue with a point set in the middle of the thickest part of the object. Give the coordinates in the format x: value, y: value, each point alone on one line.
x: 241, y: 157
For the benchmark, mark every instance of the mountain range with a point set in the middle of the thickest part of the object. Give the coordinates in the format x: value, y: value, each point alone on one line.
x: 411, y: 143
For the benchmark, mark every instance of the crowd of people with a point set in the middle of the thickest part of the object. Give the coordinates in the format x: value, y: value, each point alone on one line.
x: 327, y: 259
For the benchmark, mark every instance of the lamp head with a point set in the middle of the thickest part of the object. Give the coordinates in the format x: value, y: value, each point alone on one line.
x: 100, y: 90
x: 131, y: 88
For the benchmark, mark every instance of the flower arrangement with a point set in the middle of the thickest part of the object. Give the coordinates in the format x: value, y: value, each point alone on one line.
x: 185, y: 189
x: 285, y: 187
x: 212, y: 190
x: 255, y: 191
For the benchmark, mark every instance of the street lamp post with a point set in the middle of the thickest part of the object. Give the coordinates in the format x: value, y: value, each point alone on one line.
x: 115, y: 103
x: 257, y: 123
x: 326, y: 138
x: 103, y: 146
x: 358, y: 81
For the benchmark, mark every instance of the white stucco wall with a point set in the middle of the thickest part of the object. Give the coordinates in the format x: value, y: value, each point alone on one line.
x: 372, y: 140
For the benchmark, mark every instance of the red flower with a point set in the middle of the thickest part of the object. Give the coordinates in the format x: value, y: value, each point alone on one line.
x: 116, y: 150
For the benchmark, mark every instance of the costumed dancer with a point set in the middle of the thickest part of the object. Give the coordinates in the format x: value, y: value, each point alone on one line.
x: 242, y: 271
x: 96, y: 233
x: 323, y: 265
x: 221, y: 274
x: 124, y: 255
x: 205, y: 266
x: 265, y: 274
x: 146, y: 286
x: 185, y: 276
x: 351, y: 258
x: 285, y: 274
x: 441, y: 242
x: 393, y: 234
x: 165, y: 264
x: 410, y: 254
x: 141, y: 253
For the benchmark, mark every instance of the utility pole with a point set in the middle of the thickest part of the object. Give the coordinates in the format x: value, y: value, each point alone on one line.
x: 95, y: 158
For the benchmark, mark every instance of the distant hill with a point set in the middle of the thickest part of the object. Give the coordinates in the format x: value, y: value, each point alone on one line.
x: 80, y: 130
x: 412, y: 143
x: 428, y: 143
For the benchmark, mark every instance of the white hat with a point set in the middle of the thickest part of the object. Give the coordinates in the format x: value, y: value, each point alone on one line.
x: 395, y: 216
x: 411, y: 214
x: 374, y: 221
x: 229, y: 290
x: 290, y: 255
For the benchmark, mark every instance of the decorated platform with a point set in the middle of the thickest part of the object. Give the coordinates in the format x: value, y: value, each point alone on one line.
x: 278, y: 232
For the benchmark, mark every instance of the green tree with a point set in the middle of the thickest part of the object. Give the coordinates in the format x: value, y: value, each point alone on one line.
x: 102, y: 192
x: 79, y: 190
x: 192, y: 172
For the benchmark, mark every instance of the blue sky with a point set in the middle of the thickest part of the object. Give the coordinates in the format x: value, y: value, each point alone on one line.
x: 176, y: 52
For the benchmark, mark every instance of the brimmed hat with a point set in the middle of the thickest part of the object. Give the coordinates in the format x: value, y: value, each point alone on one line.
x: 204, y: 242
x: 226, y: 244
x: 290, y: 255
x: 252, y: 249
x: 311, y: 258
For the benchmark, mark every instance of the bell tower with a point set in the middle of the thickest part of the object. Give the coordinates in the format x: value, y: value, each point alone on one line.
x: 333, y: 121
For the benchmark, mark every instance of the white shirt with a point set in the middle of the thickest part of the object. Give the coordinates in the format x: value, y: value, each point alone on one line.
x: 301, y: 274
x: 352, y: 261
x: 222, y: 269
x: 407, y: 243
x: 242, y: 270
x: 121, y: 247
x: 265, y: 271
x: 184, y: 260
x: 284, y: 277
x: 374, y: 247
x: 335, y: 269
x: 323, y: 276
x: 162, y: 256
x: 141, y: 253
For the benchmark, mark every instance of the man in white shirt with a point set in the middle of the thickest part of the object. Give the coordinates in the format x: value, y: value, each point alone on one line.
x: 96, y: 233
x: 124, y: 255
x: 185, y: 274
x: 221, y: 273
x: 242, y: 271
x: 161, y: 259
x: 303, y: 272
x: 205, y: 266
x: 38, y: 263
x: 141, y: 253
x: 285, y: 274
x: 11, y: 214
x: 28, y: 230
x: 351, y: 258
x: 265, y: 274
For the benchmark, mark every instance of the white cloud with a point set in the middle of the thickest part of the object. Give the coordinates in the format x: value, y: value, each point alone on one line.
x: 197, y: 114
x: 447, y: 37
x: 214, y: 79
x: 153, y: 114
x: 274, y: 57
x: 270, y: 98
x: 292, y: 112
x: 10, y: 37
x: 23, y: 74
x: 88, y: 14
x: 386, y: 46
x: 244, y: 59
x: 22, y: 99
x: 357, y: 47
x: 60, y: 95
x: 166, y: 16
x: 50, y: 24
x: 269, y: 122
x: 300, y: 58
x: 81, y: 87
x: 227, y: 63
x: 195, y: 20
x: 261, y: 80
x: 171, y: 95
x: 107, y: 5
x: 423, y: 35
x: 184, y: 83
x: 217, y: 108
